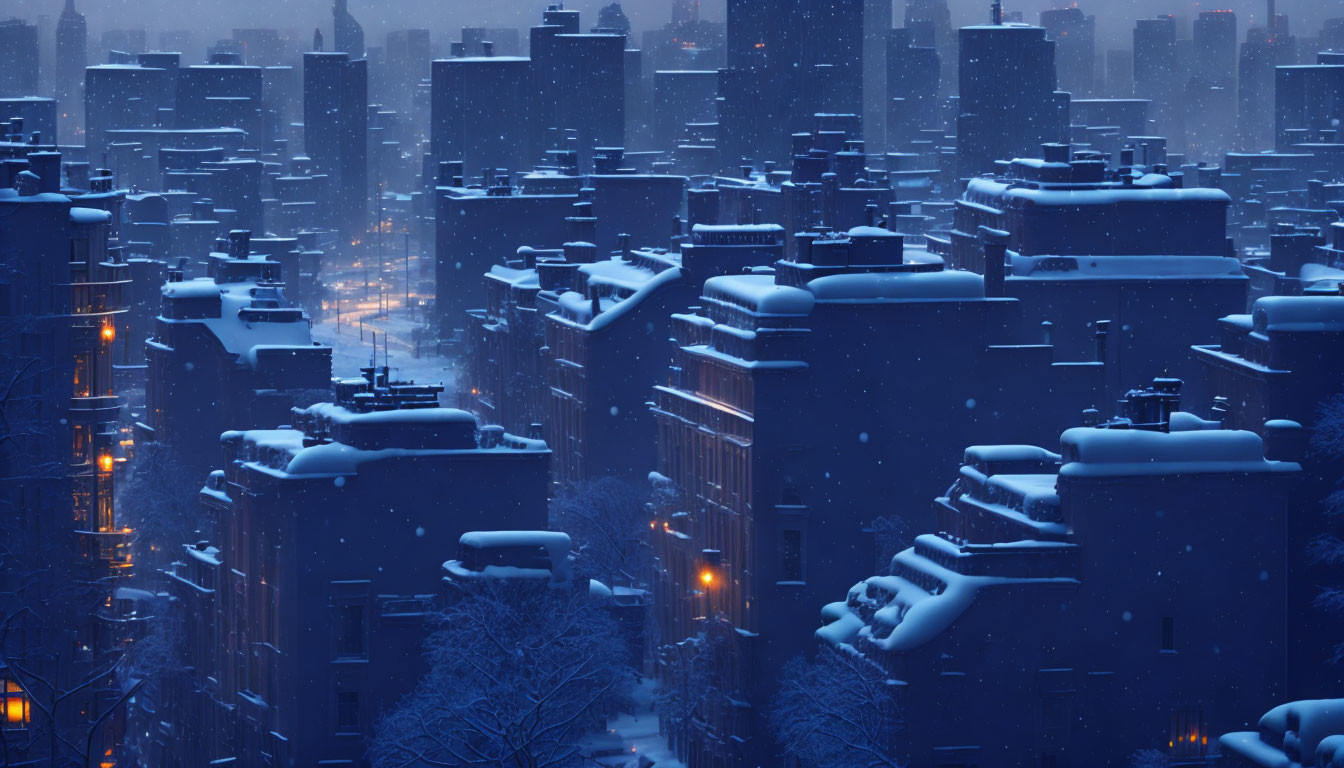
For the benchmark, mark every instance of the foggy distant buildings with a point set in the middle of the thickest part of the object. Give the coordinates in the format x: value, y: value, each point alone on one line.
x: 1074, y: 34
x: 335, y: 132
x: 72, y: 44
x: 18, y: 50
x: 349, y: 37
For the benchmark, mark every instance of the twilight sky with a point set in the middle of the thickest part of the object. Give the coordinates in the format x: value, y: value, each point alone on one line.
x: 212, y: 19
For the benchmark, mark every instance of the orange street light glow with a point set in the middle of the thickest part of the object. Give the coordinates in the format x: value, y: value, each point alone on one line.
x: 109, y: 333
x: 105, y: 462
x: 707, y: 577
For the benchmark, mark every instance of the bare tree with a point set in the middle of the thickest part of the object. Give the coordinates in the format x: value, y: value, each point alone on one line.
x: 696, y: 681
x: 157, y: 499
x: 607, y: 519
x: 518, y: 676
x: 838, y: 710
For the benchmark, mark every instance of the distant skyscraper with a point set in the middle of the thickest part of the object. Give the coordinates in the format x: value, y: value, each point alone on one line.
x: 1075, y: 39
x: 349, y: 34
x: 685, y: 11
x: 1008, y: 102
x: 785, y: 64
x: 18, y: 49
x: 335, y: 129
x: 1215, y: 59
x: 72, y: 56
x: 1155, y: 66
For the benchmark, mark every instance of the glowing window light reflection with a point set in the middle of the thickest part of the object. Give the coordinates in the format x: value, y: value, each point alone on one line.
x: 16, y: 704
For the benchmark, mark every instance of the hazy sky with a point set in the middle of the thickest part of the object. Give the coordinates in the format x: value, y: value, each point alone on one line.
x: 212, y: 19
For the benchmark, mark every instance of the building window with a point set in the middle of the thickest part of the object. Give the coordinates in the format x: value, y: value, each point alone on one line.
x: 349, y: 628
x: 1189, y: 737
x: 17, y: 714
x: 347, y: 712
x: 791, y: 555
x: 1168, y: 634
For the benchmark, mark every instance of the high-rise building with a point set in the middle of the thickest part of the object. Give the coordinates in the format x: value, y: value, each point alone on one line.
x: 1215, y: 48
x: 1265, y: 49
x: 1075, y: 36
x: 349, y: 35
x: 1008, y: 102
x: 913, y: 77
x: 72, y: 46
x: 787, y: 63
x: 578, y: 79
x: 19, y: 51
x: 335, y: 131
x: 1155, y: 68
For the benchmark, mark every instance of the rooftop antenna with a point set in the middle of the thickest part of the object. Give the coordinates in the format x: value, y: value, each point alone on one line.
x: 996, y: 12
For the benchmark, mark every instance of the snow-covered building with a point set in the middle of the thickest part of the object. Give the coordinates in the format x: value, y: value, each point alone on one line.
x: 541, y: 558
x: 304, y: 615
x: 1128, y: 247
x: 1065, y: 609
x: 1299, y: 734
x: 1271, y: 373
x: 801, y: 405
x: 539, y: 212
x: 62, y: 284
x: 228, y: 351
x: 606, y: 341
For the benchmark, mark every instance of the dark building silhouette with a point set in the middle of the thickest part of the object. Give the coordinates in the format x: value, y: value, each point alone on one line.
x: 335, y: 132
x: 478, y: 113
x: 1075, y: 36
x: 579, y: 87
x: 1273, y: 369
x: 997, y: 121
x: 787, y: 63
x: 349, y: 35
x: 19, y: 52
x: 1265, y: 49
x: 72, y: 46
x: 1155, y: 69
x: 913, y: 78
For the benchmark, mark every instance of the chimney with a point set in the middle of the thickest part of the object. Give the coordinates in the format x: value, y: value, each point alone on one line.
x: 488, y: 48
x: 240, y: 243
x: 996, y: 13
x: 994, y: 242
x: 624, y: 240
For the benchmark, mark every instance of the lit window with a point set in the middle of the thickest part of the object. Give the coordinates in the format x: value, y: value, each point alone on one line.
x: 17, y: 714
